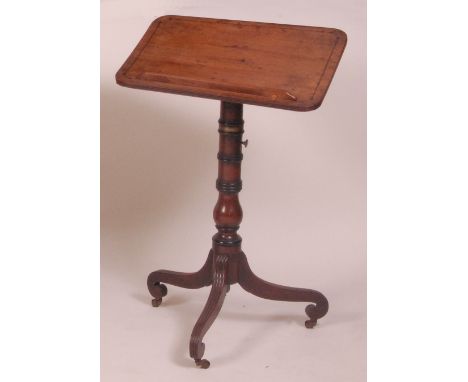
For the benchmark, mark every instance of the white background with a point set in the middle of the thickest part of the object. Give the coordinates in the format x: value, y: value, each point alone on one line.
x: 49, y: 150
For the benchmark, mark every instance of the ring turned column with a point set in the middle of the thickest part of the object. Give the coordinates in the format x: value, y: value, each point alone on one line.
x: 227, y: 212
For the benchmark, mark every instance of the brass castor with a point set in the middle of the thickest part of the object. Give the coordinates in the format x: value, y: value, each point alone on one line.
x: 314, y: 314
x: 162, y: 292
x: 202, y: 363
x: 156, y: 302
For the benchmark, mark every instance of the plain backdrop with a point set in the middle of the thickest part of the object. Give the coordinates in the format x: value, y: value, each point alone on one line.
x: 304, y: 196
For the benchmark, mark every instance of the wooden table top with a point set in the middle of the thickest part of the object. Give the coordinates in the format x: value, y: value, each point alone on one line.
x: 274, y: 65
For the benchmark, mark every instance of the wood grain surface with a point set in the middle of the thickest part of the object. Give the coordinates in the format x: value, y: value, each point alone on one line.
x: 274, y: 65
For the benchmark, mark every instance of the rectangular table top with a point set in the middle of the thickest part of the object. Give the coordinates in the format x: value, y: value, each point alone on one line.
x: 274, y: 65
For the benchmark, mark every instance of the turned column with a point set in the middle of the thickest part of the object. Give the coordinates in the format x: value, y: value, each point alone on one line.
x: 227, y: 212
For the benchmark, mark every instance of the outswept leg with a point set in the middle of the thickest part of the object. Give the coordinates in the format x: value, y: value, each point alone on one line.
x: 210, y: 311
x: 264, y: 289
x: 193, y: 280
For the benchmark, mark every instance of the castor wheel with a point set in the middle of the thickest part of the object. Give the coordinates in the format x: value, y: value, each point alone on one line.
x: 156, y: 302
x: 202, y: 363
x: 159, y: 291
x: 314, y: 314
x: 309, y: 324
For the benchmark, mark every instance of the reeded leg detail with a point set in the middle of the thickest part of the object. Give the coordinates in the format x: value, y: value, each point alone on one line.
x: 210, y: 311
x: 264, y: 289
x: 193, y: 280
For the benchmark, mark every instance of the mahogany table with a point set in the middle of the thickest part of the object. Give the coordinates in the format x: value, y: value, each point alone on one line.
x: 236, y: 62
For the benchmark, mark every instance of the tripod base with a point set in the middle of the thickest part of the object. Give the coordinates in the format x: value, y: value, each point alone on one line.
x: 226, y: 263
x: 220, y: 271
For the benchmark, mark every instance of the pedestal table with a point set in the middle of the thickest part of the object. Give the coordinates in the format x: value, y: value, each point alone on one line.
x: 236, y: 62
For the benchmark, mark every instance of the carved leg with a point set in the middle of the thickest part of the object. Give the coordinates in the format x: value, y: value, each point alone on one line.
x: 264, y: 289
x: 210, y: 311
x: 193, y: 280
